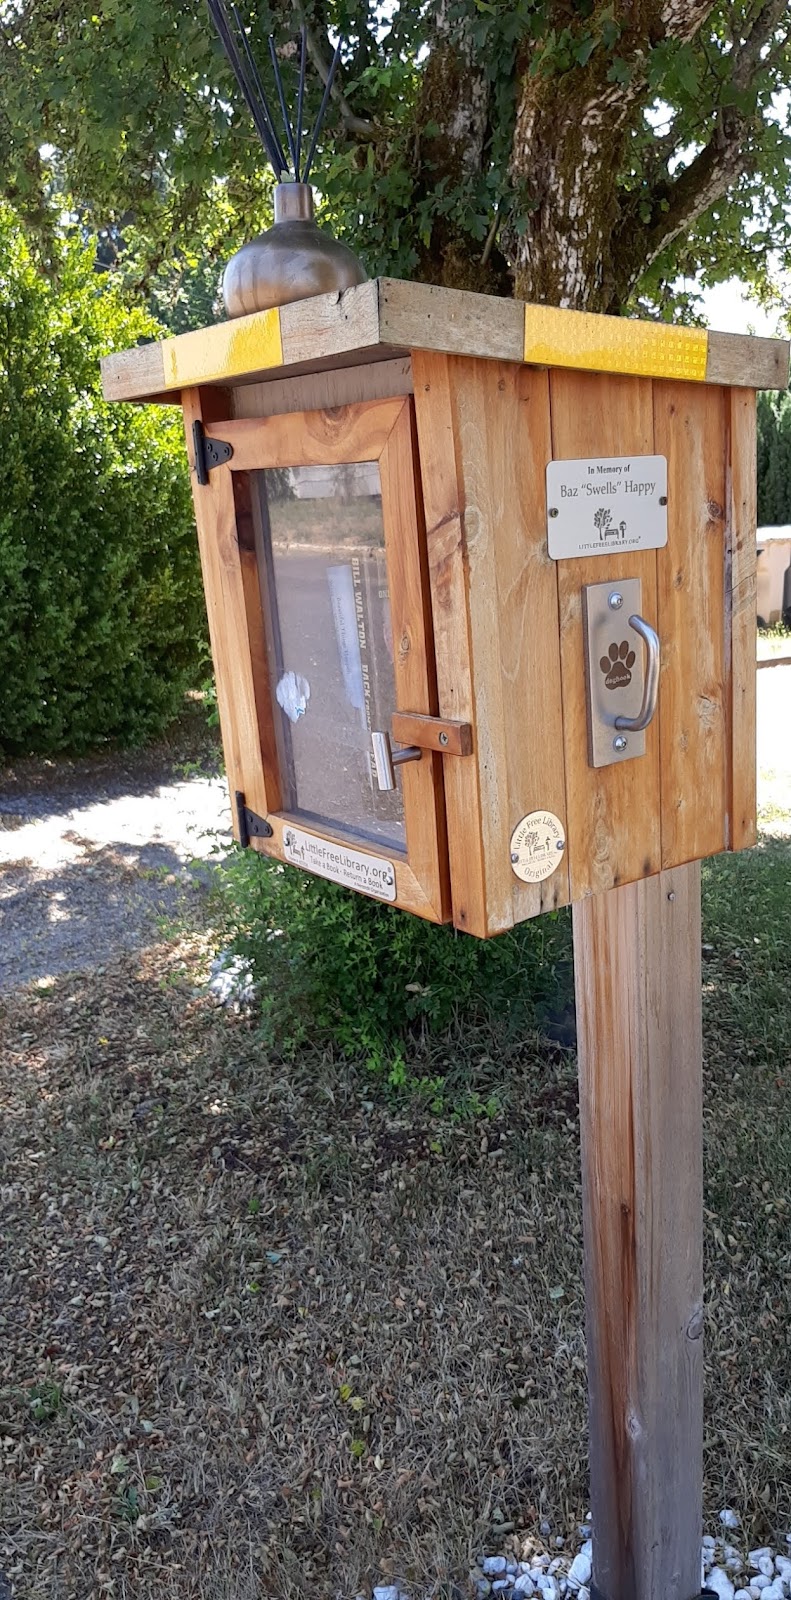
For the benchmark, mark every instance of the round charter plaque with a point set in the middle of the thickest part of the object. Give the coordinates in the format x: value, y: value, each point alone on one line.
x: 537, y: 846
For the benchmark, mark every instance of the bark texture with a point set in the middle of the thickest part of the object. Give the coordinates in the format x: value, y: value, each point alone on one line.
x: 585, y: 238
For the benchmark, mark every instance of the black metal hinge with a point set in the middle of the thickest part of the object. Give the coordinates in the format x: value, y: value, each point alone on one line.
x: 208, y: 452
x: 251, y: 826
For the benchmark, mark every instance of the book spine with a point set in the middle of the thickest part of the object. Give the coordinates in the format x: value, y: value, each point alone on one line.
x: 374, y: 633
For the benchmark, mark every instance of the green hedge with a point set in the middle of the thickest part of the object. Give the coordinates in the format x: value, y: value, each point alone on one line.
x: 333, y: 968
x: 102, y: 622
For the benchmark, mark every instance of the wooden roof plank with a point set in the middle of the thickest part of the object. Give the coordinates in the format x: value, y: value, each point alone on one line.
x: 386, y: 317
x: 747, y: 362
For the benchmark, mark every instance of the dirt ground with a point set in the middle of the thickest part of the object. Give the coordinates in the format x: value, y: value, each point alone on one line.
x: 269, y: 1334
x: 98, y: 855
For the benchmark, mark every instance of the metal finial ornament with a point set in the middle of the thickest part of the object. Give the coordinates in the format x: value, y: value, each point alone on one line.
x: 295, y: 258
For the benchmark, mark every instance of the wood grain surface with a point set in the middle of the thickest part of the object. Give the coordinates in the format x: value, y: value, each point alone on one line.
x: 612, y: 812
x: 742, y: 549
x: 638, y: 995
x: 691, y: 430
x: 502, y: 428
x: 447, y: 570
x: 236, y: 638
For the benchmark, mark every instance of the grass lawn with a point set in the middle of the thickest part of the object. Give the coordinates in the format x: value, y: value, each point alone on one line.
x: 774, y: 641
x: 268, y: 1334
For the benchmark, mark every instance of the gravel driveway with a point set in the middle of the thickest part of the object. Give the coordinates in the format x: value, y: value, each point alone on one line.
x: 96, y: 854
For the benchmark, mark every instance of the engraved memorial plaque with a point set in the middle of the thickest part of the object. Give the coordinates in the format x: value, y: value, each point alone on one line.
x: 600, y: 507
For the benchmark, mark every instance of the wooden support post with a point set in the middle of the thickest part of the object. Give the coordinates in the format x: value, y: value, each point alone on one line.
x: 638, y: 989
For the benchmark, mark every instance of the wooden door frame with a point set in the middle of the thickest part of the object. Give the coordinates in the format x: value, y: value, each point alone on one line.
x: 380, y: 431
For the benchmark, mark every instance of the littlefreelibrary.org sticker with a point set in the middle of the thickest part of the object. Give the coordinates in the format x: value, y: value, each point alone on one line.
x: 598, y: 507
x: 369, y: 874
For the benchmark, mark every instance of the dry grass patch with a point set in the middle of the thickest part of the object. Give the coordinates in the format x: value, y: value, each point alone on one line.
x: 267, y: 1334
x: 269, y: 1337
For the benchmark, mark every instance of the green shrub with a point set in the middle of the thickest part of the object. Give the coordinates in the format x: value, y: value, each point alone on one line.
x: 102, y: 621
x: 334, y: 968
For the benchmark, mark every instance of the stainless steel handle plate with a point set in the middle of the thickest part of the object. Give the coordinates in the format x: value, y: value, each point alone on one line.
x: 386, y: 759
x: 650, y: 639
x: 622, y: 672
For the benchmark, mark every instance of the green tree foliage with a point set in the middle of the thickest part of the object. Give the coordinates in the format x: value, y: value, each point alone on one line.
x: 774, y: 460
x: 101, y: 610
x: 583, y: 153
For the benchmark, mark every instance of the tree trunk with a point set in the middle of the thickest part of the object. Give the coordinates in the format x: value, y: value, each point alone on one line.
x: 569, y: 153
x: 577, y: 235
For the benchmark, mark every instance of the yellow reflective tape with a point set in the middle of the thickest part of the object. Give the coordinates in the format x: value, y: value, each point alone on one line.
x: 594, y: 343
x: 246, y: 344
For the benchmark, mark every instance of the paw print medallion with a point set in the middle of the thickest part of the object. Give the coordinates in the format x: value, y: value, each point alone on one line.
x: 617, y: 666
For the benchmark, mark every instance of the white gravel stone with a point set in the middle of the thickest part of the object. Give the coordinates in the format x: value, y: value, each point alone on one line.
x: 580, y: 1570
x: 388, y: 1591
x: 543, y: 1574
x: 549, y: 1587
x: 719, y: 1581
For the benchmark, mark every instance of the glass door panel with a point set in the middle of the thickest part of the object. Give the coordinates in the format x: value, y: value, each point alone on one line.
x: 320, y: 537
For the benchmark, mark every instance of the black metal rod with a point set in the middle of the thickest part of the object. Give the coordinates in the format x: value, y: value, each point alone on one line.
x: 282, y: 98
x: 301, y: 94
x: 226, y: 39
x: 282, y: 163
x: 322, y: 110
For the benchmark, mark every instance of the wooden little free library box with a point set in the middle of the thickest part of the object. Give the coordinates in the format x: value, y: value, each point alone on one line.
x: 516, y: 541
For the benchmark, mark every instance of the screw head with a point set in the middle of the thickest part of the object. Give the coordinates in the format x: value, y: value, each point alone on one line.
x: 514, y: 856
x: 619, y: 742
x: 443, y: 738
x: 553, y: 511
x: 615, y: 600
x: 663, y: 499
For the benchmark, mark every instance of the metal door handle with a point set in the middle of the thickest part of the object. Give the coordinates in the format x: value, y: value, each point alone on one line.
x: 386, y: 759
x: 651, y: 680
